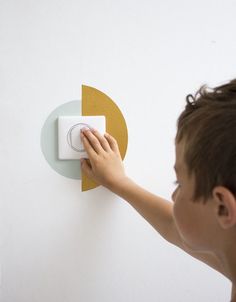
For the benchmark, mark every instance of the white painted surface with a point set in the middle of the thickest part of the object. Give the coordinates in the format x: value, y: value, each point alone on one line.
x: 70, y: 145
x: 61, y: 245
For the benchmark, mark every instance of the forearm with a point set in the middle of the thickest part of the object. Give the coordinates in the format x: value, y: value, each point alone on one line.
x: 156, y: 210
x: 106, y: 168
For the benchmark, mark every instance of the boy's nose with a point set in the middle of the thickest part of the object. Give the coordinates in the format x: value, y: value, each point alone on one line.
x: 173, y: 196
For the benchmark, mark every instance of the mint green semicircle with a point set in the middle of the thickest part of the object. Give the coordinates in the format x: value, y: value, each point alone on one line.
x: 49, y: 141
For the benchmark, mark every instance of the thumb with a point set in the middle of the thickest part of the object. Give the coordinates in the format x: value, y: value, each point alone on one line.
x: 86, y: 167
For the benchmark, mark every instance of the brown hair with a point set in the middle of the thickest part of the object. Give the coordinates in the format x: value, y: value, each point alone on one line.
x: 208, y: 127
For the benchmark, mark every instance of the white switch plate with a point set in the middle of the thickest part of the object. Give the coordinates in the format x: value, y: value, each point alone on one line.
x: 69, y: 142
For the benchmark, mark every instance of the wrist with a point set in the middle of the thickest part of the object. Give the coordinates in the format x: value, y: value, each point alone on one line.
x: 120, y: 185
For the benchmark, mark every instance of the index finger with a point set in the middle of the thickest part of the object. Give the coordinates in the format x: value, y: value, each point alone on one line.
x: 88, y: 148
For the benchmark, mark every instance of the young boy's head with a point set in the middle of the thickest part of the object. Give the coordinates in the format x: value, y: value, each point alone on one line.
x: 205, y: 200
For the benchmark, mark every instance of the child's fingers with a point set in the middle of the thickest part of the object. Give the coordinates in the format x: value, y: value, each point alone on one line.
x: 112, y: 142
x: 104, y: 143
x: 93, y: 141
x: 89, y: 149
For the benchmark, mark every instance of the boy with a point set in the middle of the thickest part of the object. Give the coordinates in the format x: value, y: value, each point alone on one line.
x: 202, y: 219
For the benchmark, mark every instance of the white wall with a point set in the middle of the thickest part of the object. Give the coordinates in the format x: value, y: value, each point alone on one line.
x: 61, y: 245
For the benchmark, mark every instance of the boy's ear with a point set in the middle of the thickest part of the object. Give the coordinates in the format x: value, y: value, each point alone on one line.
x: 225, y: 207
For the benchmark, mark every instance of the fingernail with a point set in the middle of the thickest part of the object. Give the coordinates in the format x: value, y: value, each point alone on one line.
x: 84, y: 129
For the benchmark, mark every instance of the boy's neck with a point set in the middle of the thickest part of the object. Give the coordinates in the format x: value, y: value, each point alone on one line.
x: 233, y: 294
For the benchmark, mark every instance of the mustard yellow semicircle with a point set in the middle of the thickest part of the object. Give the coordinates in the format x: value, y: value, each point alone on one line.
x: 95, y: 102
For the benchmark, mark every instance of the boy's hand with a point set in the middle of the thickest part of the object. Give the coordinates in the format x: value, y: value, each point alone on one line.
x: 104, y: 165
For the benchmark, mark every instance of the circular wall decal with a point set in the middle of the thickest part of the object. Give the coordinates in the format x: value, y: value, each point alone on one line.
x: 94, y: 103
